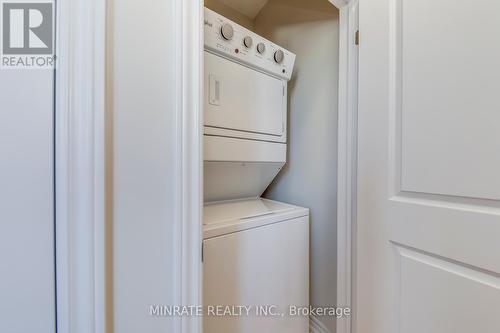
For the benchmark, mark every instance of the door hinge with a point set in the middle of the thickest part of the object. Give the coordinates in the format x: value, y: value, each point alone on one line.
x: 202, y: 252
x: 356, y: 38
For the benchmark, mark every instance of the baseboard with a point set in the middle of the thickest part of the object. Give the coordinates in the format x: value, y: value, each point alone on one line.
x: 316, y: 326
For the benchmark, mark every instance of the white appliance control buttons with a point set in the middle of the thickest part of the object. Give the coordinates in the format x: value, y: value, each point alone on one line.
x: 279, y: 56
x: 229, y: 39
x: 248, y: 41
x: 227, y: 31
x: 261, y: 48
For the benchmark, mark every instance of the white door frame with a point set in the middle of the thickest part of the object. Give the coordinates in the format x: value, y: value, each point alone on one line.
x: 79, y: 166
x: 190, y: 152
x: 82, y: 230
x: 347, y: 159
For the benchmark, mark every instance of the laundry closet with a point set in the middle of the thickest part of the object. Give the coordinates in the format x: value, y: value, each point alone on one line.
x: 270, y: 162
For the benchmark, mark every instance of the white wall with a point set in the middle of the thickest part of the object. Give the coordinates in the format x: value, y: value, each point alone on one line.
x: 310, y: 29
x: 27, y: 282
x: 141, y: 99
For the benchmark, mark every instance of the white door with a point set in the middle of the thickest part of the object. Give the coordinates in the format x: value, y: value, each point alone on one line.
x: 428, y: 232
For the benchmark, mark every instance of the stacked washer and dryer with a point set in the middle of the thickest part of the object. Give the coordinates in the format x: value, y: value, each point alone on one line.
x: 255, y: 251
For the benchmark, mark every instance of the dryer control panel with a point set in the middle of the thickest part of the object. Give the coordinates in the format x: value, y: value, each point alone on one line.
x: 224, y: 37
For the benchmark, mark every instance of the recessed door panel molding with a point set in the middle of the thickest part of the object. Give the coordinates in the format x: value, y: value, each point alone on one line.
x: 428, y: 285
x: 445, y: 75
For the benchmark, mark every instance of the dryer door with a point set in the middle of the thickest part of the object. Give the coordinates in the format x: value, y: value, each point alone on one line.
x: 243, y: 99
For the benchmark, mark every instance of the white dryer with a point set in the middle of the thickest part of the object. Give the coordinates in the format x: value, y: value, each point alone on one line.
x: 245, y: 109
x: 255, y: 251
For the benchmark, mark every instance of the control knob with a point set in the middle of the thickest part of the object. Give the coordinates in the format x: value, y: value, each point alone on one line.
x: 247, y: 41
x: 279, y: 56
x: 261, y: 48
x: 227, y: 31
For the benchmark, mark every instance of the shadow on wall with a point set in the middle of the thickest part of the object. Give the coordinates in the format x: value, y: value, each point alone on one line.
x: 298, y: 11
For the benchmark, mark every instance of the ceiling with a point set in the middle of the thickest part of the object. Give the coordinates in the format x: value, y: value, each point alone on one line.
x: 249, y: 8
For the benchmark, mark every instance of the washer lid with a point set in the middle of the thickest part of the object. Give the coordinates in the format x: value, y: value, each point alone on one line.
x: 236, y: 215
x: 224, y: 211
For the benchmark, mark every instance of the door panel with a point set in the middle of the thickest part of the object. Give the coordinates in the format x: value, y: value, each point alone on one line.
x: 450, y: 296
x: 428, y: 215
x: 449, y: 68
x: 240, y: 98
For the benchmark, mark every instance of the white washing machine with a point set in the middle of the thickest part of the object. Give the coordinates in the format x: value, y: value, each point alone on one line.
x: 255, y: 251
x: 255, y: 254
